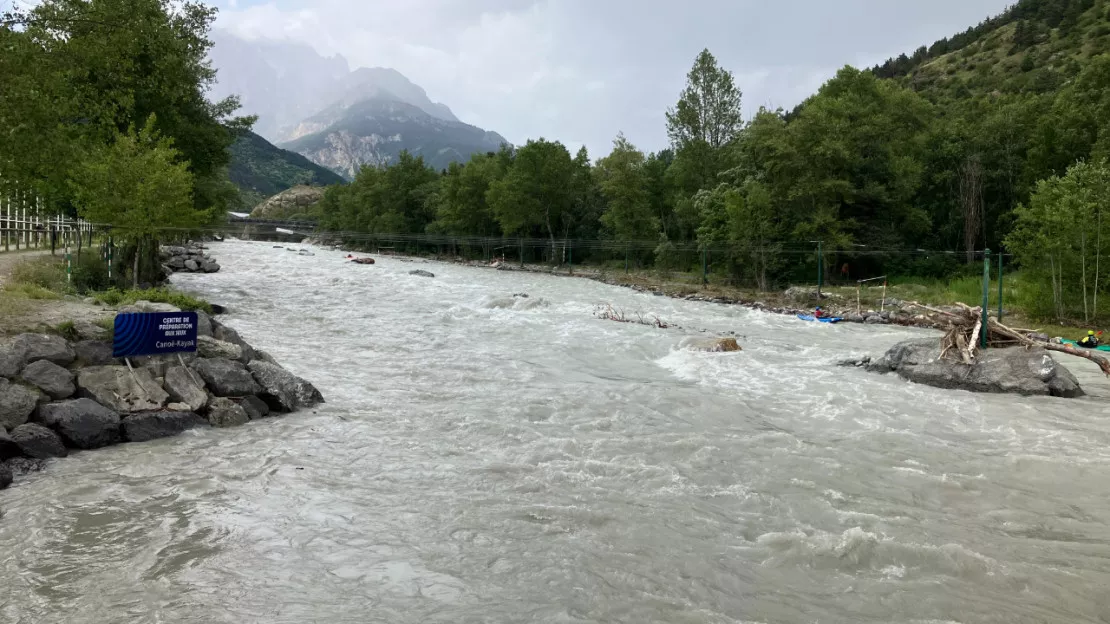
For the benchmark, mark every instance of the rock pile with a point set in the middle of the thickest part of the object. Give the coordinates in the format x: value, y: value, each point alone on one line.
x: 57, y: 395
x: 191, y: 258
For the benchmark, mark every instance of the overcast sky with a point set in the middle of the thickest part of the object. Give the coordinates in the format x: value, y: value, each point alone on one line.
x: 579, y: 71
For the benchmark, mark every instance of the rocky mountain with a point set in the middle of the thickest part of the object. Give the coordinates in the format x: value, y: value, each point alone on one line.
x: 260, y: 170
x: 338, y: 118
x: 374, y: 131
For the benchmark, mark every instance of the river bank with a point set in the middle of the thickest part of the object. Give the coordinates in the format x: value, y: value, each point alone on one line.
x: 62, y: 391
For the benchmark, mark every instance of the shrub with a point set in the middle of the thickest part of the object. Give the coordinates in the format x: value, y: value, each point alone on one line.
x: 180, y: 300
x: 90, y: 274
x: 48, y: 273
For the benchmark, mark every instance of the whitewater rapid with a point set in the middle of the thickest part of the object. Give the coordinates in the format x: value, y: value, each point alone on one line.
x: 490, y: 458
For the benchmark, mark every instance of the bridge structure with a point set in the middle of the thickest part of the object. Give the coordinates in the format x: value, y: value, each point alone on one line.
x: 248, y: 227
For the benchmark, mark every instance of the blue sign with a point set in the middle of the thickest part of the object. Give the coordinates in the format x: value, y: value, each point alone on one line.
x: 151, y: 333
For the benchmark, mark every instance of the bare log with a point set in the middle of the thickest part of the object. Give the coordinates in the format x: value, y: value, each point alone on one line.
x: 1070, y: 350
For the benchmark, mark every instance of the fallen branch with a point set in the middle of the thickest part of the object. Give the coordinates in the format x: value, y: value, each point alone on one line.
x: 1070, y: 350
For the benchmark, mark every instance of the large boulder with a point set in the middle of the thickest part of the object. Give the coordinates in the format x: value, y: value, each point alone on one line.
x: 1016, y: 370
x: 204, y: 324
x: 122, y: 389
x: 35, y: 347
x: 226, y: 378
x: 152, y: 425
x: 11, y: 361
x: 281, y: 390
x: 8, y: 447
x: 52, y: 379
x: 254, y: 407
x: 191, y: 265
x: 223, y: 412
x: 16, y: 404
x: 716, y: 345
x: 38, y: 442
x: 143, y: 305
x: 186, y: 387
x: 227, y: 334
x: 82, y: 423
x: 6, y: 476
x: 208, y: 347
x: 93, y: 352
x: 422, y: 273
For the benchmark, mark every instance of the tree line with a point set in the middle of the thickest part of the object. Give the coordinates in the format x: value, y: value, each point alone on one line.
x: 871, y: 168
x: 104, y: 114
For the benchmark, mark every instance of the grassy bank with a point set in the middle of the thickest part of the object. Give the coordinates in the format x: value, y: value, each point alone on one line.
x: 38, y: 296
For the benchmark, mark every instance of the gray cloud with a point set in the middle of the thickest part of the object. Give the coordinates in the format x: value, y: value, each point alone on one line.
x: 582, y: 70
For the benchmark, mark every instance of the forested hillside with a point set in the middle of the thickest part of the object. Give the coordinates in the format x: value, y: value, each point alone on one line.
x: 911, y: 168
x: 261, y: 169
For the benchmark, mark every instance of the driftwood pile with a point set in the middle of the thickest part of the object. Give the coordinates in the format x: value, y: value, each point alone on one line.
x: 609, y: 313
x: 962, y: 337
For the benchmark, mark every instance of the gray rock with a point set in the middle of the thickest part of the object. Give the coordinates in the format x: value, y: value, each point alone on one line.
x: 93, y: 352
x: 223, y: 412
x: 25, y: 465
x: 208, y: 347
x: 873, y: 319
x: 209, y: 266
x: 152, y: 425
x: 1017, y: 370
x: 38, y: 442
x: 178, y: 407
x: 186, y: 387
x: 11, y: 361
x: 191, y: 265
x: 35, y: 347
x: 52, y: 379
x: 422, y: 273
x: 16, y: 404
x: 204, y: 324
x: 176, y: 263
x: 148, y: 306
x: 226, y: 378
x: 227, y: 334
x: 8, y: 447
x: 259, y: 354
x: 82, y: 423
x: 6, y: 476
x: 121, y: 389
x: 255, y: 407
x: 281, y: 390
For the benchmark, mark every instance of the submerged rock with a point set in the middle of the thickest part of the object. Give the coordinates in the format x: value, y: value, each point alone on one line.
x: 1015, y: 370
x: 716, y: 345
x: 153, y: 425
x: 82, y: 423
x: 6, y: 476
x: 422, y: 273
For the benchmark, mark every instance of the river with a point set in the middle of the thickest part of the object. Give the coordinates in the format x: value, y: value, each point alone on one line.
x: 485, y: 458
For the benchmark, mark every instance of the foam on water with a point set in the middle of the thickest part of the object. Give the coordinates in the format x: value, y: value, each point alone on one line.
x: 485, y: 457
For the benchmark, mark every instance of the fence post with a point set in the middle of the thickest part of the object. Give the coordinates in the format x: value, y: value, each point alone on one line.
x: 986, y: 297
x: 570, y: 257
x: 69, y: 264
x: 521, y: 253
x: 1000, y: 287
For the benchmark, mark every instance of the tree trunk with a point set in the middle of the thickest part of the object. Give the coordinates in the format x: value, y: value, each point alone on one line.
x: 1083, y: 270
x: 135, y: 265
x: 1098, y: 257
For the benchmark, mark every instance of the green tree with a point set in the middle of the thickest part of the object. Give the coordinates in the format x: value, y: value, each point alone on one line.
x: 1060, y: 231
x: 708, y: 110
x: 537, y: 191
x: 621, y: 176
x: 138, y: 185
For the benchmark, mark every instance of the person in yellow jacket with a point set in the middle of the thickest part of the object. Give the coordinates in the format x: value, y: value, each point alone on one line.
x: 1090, y: 341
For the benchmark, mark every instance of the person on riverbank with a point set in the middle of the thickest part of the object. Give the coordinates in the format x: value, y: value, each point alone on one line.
x: 1090, y: 341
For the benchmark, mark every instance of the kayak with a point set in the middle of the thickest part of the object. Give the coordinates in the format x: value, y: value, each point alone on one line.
x: 824, y: 319
x: 1105, y: 348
